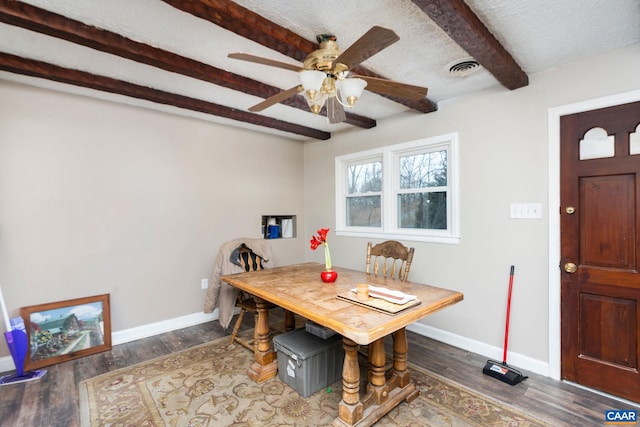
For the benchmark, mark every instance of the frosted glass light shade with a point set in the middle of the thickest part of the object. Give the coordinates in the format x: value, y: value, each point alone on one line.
x: 312, y: 80
x: 351, y: 89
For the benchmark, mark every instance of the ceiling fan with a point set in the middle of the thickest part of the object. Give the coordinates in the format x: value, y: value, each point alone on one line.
x: 325, y: 75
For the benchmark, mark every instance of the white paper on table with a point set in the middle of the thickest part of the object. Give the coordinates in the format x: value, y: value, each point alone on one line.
x: 396, y: 297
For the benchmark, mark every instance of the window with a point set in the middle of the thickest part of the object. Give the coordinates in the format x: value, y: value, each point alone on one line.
x: 406, y: 191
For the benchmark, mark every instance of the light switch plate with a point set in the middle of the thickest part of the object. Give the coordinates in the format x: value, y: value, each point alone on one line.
x: 526, y: 210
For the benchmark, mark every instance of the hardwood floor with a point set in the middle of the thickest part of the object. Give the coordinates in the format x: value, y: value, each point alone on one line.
x: 53, y: 400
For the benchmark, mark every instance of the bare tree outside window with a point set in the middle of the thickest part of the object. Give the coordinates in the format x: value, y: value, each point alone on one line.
x: 364, y: 194
x: 422, y: 199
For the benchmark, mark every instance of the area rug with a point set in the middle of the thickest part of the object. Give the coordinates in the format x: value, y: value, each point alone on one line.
x: 208, y: 386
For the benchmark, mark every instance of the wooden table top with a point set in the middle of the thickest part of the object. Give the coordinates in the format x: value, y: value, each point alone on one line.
x: 298, y: 288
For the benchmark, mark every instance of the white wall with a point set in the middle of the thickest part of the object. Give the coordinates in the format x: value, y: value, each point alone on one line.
x: 503, y: 151
x: 97, y: 197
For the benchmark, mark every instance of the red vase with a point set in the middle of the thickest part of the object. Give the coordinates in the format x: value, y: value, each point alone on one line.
x: 329, y: 276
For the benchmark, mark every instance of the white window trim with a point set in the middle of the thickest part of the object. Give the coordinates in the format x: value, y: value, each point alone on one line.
x: 390, y: 154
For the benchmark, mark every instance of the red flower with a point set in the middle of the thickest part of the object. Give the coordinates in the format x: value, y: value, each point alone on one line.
x: 315, y: 243
x: 321, y: 239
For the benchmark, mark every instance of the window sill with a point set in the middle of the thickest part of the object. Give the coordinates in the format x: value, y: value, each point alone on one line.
x: 451, y: 240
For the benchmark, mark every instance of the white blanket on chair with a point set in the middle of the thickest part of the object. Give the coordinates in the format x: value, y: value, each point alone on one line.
x: 222, y: 295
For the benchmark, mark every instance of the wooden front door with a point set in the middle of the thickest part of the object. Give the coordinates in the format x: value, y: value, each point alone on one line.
x: 600, y: 249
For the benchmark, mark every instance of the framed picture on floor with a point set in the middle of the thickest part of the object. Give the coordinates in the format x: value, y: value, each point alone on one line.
x: 65, y: 330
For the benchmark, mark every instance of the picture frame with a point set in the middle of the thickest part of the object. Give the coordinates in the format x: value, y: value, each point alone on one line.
x: 66, y: 330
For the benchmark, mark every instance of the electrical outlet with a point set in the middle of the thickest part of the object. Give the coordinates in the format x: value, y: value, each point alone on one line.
x: 204, y: 283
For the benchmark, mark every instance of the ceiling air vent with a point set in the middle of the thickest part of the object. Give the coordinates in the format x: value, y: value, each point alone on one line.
x: 463, y: 67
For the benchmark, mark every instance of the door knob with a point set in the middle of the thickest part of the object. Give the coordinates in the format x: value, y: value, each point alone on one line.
x: 570, y: 267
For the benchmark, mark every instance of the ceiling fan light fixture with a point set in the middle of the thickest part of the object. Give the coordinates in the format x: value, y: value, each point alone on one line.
x: 351, y: 89
x: 315, y: 108
x: 312, y: 80
x: 316, y: 102
x: 312, y: 83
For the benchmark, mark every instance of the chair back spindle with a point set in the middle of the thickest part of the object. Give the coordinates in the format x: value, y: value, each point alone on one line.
x: 389, y: 259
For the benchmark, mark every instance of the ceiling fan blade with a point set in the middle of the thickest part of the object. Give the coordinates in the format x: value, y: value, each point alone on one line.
x: 372, y: 42
x: 264, y: 61
x: 279, y: 97
x: 389, y: 87
x: 335, y: 111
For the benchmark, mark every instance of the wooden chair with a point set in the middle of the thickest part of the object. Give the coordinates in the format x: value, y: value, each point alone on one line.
x: 249, y: 261
x: 389, y: 259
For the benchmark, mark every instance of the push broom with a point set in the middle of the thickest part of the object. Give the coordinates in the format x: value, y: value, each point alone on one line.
x: 18, y: 343
x: 500, y: 370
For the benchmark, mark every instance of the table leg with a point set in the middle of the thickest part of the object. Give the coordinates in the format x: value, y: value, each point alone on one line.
x: 265, y: 365
x: 400, y: 373
x: 377, y: 387
x: 289, y: 321
x: 350, y: 408
x: 382, y: 395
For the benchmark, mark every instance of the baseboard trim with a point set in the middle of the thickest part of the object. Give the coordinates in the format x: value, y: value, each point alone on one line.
x: 127, y: 335
x: 140, y: 332
x: 516, y: 360
x: 161, y: 327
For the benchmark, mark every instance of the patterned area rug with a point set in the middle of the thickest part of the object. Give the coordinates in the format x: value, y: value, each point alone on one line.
x: 207, y: 385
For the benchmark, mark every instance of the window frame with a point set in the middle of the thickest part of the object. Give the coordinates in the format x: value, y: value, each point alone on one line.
x: 390, y: 157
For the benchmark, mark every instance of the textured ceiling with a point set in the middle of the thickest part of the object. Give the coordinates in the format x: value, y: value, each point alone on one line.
x: 538, y: 34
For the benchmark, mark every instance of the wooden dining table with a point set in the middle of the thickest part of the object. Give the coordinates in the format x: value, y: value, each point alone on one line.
x: 298, y: 289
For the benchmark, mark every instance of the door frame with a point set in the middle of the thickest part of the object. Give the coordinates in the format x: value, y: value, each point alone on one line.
x: 554, y: 115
